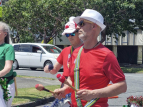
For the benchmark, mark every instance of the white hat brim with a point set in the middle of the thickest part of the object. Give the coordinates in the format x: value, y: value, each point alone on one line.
x: 68, y: 31
x: 77, y: 19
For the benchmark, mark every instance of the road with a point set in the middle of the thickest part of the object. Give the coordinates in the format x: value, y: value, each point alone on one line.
x: 36, y: 73
x: 134, y: 84
x: 31, y: 82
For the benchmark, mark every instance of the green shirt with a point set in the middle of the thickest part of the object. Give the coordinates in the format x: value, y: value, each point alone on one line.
x: 6, y: 53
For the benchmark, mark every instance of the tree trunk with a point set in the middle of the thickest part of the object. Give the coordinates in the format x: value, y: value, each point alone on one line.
x: 44, y: 36
x: 35, y: 39
x: 45, y: 40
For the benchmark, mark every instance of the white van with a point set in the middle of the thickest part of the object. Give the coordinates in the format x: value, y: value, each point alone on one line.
x: 35, y: 55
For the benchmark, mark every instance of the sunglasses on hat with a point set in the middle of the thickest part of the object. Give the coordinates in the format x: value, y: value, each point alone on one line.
x: 82, y: 23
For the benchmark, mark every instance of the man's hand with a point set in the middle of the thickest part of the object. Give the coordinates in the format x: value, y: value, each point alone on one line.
x: 52, y: 69
x: 85, y: 94
x: 46, y: 69
x: 59, y: 93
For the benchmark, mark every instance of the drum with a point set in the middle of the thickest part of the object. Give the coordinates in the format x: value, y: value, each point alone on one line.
x: 64, y: 102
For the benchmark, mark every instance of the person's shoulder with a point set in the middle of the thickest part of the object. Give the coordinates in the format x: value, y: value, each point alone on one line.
x: 104, y: 48
x: 8, y: 45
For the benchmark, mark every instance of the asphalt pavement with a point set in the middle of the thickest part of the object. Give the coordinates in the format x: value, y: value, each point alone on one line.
x: 134, y: 87
x: 31, y: 82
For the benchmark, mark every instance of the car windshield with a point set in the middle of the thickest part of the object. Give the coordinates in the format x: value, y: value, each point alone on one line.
x: 52, y: 49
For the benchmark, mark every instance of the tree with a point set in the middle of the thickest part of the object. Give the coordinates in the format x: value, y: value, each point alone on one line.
x: 116, y: 14
x: 16, y: 17
x: 138, y: 16
x: 47, y: 17
x: 38, y: 17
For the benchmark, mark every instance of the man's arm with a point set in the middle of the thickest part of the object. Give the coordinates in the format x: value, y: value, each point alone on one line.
x: 56, y: 68
x: 112, y: 90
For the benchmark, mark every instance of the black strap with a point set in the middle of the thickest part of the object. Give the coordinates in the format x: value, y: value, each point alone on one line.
x: 8, y: 78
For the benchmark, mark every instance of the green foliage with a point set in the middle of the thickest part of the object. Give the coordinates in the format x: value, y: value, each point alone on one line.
x: 26, y: 37
x: 132, y: 69
x: 5, y: 90
x: 47, y: 17
x: 138, y: 14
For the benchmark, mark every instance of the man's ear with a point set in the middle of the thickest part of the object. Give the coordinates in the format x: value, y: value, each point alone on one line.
x: 94, y: 26
x: 5, y: 34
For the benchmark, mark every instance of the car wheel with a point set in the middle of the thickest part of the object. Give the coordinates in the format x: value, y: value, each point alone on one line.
x: 33, y: 68
x: 15, y: 65
x: 48, y: 63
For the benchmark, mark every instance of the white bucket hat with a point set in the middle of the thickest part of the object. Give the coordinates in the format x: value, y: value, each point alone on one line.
x: 93, y: 16
x: 70, y: 26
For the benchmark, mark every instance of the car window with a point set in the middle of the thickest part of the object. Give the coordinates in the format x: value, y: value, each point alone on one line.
x: 16, y: 47
x: 52, y: 49
x: 35, y: 49
x: 25, y: 48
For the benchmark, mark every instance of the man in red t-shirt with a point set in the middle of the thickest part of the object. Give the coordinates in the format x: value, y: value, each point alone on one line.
x: 63, y: 59
x: 97, y: 65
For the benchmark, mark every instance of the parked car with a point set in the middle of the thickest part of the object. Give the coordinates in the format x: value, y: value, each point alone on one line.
x: 35, y: 55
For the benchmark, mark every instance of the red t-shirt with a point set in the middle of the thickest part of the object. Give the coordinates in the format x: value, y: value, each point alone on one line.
x: 63, y: 59
x: 98, y: 67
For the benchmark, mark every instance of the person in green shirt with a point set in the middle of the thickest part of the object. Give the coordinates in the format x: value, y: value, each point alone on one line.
x: 7, y: 56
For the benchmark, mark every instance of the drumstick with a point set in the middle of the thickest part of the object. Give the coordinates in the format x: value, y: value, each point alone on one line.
x: 62, y: 79
x: 40, y: 87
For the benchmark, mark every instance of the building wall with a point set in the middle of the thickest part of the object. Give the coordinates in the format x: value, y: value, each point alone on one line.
x: 126, y: 43
x: 64, y: 41
x: 129, y: 39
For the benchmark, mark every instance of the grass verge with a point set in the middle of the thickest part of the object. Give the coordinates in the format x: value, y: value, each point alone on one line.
x: 132, y: 69
x: 31, y: 94
x: 23, y: 76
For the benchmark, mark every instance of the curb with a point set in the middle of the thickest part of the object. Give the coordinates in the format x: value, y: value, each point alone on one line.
x: 37, y: 102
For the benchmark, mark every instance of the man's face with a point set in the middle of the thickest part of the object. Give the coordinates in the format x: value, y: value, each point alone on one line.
x: 85, y: 28
x: 73, y: 38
